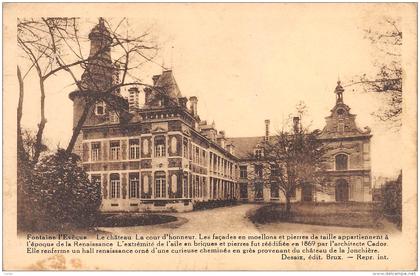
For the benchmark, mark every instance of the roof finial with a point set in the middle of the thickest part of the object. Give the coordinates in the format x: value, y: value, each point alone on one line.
x: 172, y: 57
x: 339, y: 91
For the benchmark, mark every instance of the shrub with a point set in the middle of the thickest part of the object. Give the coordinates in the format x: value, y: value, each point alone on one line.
x: 392, y: 200
x: 61, y: 194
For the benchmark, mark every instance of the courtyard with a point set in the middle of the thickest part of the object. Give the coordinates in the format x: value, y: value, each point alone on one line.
x: 241, y: 219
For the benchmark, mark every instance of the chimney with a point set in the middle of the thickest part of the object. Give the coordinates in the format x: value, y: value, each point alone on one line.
x: 267, y: 129
x: 221, y: 139
x: 231, y: 148
x: 296, y: 124
x: 193, y: 101
x: 133, y: 99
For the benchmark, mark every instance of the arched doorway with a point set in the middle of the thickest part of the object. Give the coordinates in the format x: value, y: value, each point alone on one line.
x: 341, y: 191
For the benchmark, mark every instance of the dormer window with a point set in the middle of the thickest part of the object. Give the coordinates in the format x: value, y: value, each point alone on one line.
x: 100, y: 108
x: 113, y: 117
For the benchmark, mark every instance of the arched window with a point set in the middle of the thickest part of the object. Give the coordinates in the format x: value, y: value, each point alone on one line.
x: 341, y: 162
x: 115, y: 185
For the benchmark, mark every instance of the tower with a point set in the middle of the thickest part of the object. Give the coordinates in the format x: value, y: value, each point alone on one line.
x: 99, y: 75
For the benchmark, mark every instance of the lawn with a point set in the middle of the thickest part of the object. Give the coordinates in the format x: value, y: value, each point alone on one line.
x: 350, y: 214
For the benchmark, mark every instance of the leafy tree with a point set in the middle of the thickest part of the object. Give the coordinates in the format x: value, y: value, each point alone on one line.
x: 392, y: 200
x: 60, y: 193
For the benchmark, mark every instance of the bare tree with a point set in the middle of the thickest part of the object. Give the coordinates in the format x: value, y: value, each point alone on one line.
x: 386, y: 38
x: 289, y: 160
x: 54, y: 46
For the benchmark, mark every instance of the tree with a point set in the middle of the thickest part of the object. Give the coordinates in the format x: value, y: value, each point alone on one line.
x: 60, y: 193
x: 54, y: 46
x: 289, y: 160
x: 386, y: 38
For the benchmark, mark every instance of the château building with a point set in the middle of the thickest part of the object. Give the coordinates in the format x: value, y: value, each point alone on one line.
x: 163, y: 156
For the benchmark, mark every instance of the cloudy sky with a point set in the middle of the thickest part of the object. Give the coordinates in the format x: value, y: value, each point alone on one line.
x: 248, y: 63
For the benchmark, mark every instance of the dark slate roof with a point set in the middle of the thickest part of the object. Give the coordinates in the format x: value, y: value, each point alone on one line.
x: 167, y: 81
x: 244, y: 146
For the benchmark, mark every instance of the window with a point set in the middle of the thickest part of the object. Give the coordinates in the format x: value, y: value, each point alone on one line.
x: 274, y: 171
x: 134, y: 185
x: 115, y: 185
x: 244, y: 190
x: 341, y: 162
x: 185, y: 187
x: 95, y: 151
x: 160, y: 146
x: 258, y: 153
x: 340, y: 127
x: 113, y: 117
x: 185, y: 148
x: 274, y: 190
x: 243, y: 173
x: 160, y: 185
x: 134, y: 149
x: 258, y: 171
x: 100, y: 108
x: 197, y: 155
x: 114, y: 148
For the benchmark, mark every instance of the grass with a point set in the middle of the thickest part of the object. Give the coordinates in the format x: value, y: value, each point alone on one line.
x: 352, y: 214
x: 131, y: 219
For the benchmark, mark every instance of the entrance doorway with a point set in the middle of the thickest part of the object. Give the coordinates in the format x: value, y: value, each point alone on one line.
x: 307, y: 192
x: 341, y: 191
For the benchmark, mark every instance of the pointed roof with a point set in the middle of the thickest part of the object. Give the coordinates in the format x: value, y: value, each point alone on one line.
x: 166, y: 81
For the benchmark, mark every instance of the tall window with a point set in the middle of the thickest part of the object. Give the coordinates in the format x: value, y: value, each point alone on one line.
x: 115, y: 185
x: 185, y: 186
x: 340, y: 127
x: 114, y: 148
x: 197, y: 155
x: 243, y: 172
x: 100, y: 108
x: 134, y: 185
x: 185, y: 148
x: 341, y: 162
x: 96, y: 151
x: 134, y: 148
x: 258, y: 153
x: 259, y: 171
x: 160, y: 146
x: 160, y: 185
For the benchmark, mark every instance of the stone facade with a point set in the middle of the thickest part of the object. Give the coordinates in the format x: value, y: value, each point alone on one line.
x: 162, y: 156
x: 347, y: 167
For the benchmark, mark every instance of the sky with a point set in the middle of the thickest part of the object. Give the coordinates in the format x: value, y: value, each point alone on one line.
x: 248, y: 63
